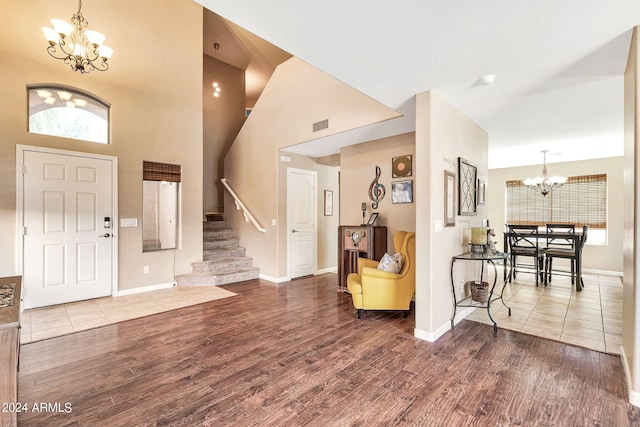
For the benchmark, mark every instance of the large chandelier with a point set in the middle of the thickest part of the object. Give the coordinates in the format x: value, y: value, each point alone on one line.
x: 77, y: 45
x: 544, y: 184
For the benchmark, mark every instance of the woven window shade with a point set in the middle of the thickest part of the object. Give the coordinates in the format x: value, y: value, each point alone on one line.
x: 152, y: 171
x: 582, y: 200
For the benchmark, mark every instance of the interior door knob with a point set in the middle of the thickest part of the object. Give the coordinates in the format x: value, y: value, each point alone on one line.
x: 105, y: 235
x: 294, y: 230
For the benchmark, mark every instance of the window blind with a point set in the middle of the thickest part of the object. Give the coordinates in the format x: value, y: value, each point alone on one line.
x: 152, y: 171
x: 582, y: 200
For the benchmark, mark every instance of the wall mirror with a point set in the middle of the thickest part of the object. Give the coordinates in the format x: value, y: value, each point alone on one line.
x: 160, y: 197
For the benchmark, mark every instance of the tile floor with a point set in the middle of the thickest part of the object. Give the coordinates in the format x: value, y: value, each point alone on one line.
x: 591, y: 318
x: 48, y: 322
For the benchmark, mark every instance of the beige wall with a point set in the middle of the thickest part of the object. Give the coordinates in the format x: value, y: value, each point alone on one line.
x: 443, y: 133
x: 297, y: 96
x: 357, y: 171
x: 630, y: 329
x: 156, y: 114
x: 602, y: 258
x: 327, y: 179
x: 223, y: 118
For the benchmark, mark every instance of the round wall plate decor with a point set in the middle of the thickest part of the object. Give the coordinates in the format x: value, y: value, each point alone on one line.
x: 401, y: 166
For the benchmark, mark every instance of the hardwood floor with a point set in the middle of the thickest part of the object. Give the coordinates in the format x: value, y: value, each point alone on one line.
x: 296, y: 354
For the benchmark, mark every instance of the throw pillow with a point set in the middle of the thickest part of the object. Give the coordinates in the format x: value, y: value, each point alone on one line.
x: 391, y: 263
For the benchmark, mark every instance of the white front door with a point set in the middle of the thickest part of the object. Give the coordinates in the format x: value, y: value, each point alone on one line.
x: 67, y: 245
x: 301, y: 222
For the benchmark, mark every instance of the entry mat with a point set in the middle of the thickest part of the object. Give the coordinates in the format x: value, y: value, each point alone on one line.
x: 6, y: 294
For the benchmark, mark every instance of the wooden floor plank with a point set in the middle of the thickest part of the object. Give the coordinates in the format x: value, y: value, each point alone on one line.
x: 296, y: 354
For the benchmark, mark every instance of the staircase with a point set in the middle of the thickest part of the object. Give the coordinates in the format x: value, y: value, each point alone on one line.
x: 224, y: 261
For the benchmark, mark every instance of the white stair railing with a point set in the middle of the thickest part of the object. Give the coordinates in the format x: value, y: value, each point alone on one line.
x: 239, y: 205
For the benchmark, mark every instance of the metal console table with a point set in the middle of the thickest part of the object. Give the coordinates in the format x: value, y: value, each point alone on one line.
x: 489, y: 257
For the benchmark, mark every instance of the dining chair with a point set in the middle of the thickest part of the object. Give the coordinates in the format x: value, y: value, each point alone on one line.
x: 561, y: 246
x: 567, y: 253
x: 524, y: 242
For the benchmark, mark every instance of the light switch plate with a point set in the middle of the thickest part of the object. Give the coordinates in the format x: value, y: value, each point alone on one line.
x: 128, y: 222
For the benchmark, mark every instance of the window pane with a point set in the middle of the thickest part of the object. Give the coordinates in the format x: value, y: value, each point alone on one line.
x: 68, y: 113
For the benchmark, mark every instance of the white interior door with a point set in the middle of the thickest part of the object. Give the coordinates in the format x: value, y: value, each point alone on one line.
x: 301, y: 222
x: 67, y: 246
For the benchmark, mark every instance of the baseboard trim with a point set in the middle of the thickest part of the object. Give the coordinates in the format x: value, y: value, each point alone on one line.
x: 603, y: 272
x: 433, y: 336
x: 634, y: 396
x: 145, y: 289
x: 326, y: 270
x: 274, y: 279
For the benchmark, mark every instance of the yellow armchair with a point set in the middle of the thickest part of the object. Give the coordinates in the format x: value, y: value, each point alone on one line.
x: 373, y: 289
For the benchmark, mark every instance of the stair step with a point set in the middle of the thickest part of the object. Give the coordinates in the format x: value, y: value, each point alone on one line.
x: 222, y: 265
x: 228, y: 252
x: 208, y: 279
x: 209, y: 235
x: 215, y: 225
x: 214, y: 216
x: 220, y: 243
x: 224, y: 261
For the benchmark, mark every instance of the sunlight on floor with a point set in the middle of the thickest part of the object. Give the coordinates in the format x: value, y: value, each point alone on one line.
x: 48, y: 322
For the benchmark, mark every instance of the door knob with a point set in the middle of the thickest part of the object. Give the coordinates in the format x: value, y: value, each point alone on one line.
x: 105, y: 235
x: 294, y: 231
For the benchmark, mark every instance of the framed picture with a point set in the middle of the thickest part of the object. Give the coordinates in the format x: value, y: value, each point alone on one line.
x: 482, y: 192
x: 372, y: 218
x: 328, y: 202
x: 467, y: 178
x: 402, y: 191
x: 449, y: 199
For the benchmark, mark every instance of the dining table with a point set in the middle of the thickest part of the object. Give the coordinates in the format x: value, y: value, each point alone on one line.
x: 578, y: 242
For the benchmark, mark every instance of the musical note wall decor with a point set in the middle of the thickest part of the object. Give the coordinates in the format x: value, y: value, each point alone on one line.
x: 376, y: 190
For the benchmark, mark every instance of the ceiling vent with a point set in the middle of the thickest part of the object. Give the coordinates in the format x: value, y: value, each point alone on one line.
x: 323, y: 124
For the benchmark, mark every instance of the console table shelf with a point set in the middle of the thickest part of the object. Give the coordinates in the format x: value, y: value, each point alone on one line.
x: 467, y: 301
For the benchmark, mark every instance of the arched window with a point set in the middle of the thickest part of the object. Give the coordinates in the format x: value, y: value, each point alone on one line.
x: 69, y: 113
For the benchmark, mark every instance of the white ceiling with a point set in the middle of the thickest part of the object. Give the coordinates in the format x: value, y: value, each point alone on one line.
x: 559, y: 65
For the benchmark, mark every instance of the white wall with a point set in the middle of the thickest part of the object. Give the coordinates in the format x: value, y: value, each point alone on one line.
x: 443, y: 133
x: 630, y: 296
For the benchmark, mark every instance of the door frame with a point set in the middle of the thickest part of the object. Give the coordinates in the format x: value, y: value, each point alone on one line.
x: 20, y: 150
x: 314, y: 230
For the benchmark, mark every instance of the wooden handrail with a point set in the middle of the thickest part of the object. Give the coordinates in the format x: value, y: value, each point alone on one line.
x: 239, y: 205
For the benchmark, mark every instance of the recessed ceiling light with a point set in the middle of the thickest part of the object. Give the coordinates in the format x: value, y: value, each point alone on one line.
x: 487, y: 79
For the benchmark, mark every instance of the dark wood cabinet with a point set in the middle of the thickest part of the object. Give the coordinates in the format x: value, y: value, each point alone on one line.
x: 358, y: 241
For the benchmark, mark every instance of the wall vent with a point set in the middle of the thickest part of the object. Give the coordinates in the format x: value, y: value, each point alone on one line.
x: 323, y: 124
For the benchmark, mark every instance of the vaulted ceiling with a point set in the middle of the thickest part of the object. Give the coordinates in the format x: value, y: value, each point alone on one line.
x: 558, y: 65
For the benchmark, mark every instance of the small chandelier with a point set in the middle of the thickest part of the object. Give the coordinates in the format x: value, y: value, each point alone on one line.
x: 77, y: 45
x: 544, y: 184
